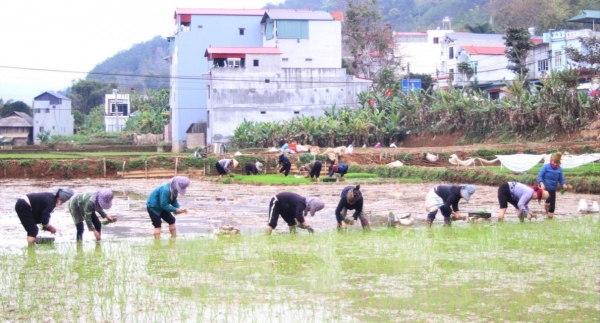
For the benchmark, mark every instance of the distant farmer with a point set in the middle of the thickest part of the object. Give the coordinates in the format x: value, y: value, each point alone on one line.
x: 223, y: 166
x: 377, y: 145
x: 350, y: 199
x: 519, y: 195
x: 341, y: 169
x: 83, y: 208
x: 549, y: 177
x: 253, y: 168
x: 35, y: 208
x: 163, y: 201
x: 445, y: 199
x: 285, y: 163
x: 292, y: 208
x: 313, y: 169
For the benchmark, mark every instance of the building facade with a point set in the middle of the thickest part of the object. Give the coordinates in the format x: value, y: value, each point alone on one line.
x: 257, y: 65
x: 52, y: 113
x: 558, y: 40
x: 116, y: 111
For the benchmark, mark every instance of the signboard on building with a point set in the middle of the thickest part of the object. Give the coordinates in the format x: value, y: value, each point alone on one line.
x: 415, y: 84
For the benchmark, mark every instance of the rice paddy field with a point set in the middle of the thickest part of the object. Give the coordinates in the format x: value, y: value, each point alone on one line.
x: 538, y: 271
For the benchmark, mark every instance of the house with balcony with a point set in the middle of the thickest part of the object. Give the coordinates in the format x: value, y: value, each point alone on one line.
x: 228, y: 65
x: 52, y: 113
x: 116, y: 111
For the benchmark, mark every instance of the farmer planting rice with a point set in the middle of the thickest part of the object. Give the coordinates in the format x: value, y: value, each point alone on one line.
x: 223, y: 166
x: 341, y: 169
x: 313, y: 168
x: 445, y: 198
x: 163, y: 201
x: 253, y: 168
x: 293, y: 208
x: 35, y: 208
x: 550, y: 175
x: 351, y: 199
x: 83, y: 207
x: 285, y: 163
x: 519, y: 196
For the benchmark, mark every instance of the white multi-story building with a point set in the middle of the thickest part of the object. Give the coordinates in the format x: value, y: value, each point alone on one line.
x: 52, y: 113
x: 421, y: 51
x: 116, y: 111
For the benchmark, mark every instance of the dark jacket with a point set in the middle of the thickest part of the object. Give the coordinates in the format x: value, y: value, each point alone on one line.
x: 343, y: 203
x: 42, y: 204
x: 451, y: 195
x: 284, y: 160
x: 292, y: 202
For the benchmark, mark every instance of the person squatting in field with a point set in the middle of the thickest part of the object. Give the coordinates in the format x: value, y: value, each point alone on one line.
x: 519, y: 195
x: 163, y: 201
x: 351, y: 199
x: 253, y: 168
x: 223, y: 166
x: 83, y: 207
x: 292, y: 208
x: 550, y: 175
x: 285, y: 163
x: 35, y: 208
x: 313, y: 169
x: 445, y: 198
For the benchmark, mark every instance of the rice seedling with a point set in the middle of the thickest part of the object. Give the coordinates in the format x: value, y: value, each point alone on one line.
x: 541, y: 271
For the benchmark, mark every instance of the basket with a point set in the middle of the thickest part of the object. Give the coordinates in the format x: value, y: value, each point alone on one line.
x: 480, y: 215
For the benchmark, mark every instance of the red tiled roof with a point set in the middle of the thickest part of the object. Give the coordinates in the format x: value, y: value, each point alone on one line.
x: 484, y: 50
x: 337, y: 15
x: 537, y: 40
x: 232, y: 52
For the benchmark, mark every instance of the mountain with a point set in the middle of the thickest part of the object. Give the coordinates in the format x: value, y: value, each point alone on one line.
x: 143, y: 64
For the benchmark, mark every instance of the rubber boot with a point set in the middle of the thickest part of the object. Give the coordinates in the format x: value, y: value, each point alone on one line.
x: 447, y: 221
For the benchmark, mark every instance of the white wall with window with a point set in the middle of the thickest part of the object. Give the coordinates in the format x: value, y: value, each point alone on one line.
x: 52, y: 116
x: 116, y: 112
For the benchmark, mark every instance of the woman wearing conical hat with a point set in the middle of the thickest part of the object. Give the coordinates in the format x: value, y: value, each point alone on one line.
x: 223, y: 166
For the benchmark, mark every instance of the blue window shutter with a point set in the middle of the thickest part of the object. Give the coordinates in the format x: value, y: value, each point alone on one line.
x: 292, y: 29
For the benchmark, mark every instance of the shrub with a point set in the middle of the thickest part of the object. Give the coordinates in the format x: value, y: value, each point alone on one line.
x: 354, y: 168
x: 54, y: 165
x: 26, y: 163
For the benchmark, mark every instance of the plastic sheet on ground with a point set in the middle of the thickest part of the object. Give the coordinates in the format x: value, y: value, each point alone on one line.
x: 395, y: 164
x: 432, y: 158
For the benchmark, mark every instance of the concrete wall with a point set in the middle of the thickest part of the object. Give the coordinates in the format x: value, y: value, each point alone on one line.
x: 537, y: 55
x: 58, y: 120
x: 290, y: 93
x: 420, y: 50
x: 189, y: 66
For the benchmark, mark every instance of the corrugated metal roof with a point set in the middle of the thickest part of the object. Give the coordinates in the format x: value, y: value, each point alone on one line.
x: 14, y: 121
x: 56, y: 95
x: 23, y: 115
x: 587, y: 16
x: 297, y: 15
x: 337, y: 15
x: 484, y: 50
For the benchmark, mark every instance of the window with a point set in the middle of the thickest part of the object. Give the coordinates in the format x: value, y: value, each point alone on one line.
x: 494, y: 95
x: 47, y: 110
x: 292, y: 29
x: 185, y: 26
x: 285, y: 59
x: 53, y: 107
x: 436, y: 40
x: 308, y: 59
x: 542, y: 65
x: 255, y: 63
x: 296, y: 112
x: 558, y: 59
x: 263, y: 112
x: 52, y: 127
x: 451, y: 53
x: 208, y: 119
x: 242, y: 31
x: 37, y: 111
x: 209, y: 91
x: 41, y: 129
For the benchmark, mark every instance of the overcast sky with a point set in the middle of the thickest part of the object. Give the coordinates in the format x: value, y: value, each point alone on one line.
x: 76, y: 35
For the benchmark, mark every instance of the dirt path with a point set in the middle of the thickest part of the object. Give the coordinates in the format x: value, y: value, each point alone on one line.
x: 245, y: 206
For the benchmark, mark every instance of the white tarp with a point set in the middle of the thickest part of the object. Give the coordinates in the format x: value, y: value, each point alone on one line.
x: 520, y: 162
x: 572, y: 161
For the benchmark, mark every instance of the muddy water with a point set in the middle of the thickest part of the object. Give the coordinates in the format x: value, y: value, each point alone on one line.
x: 212, y: 204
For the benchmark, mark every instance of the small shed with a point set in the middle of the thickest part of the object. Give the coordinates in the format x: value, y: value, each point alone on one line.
x: 196, y: 135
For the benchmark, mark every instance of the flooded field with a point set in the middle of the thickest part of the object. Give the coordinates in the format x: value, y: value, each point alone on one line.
x: 543, y: 271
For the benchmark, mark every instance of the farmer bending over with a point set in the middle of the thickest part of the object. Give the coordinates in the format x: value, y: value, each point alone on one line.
x: 341, y: 169
x: 519, y: 195
x: 293, y: 208
x: 224, y: 164
x: 253, y: 168
x: 83, y: 207
x: 313, y: 168
x: 445, y: 198
x: 285, y: 163
x: 351, y: 199
x: 163, y: 201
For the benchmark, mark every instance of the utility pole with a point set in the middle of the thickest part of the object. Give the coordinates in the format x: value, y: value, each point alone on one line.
x: 407, y: 77
x: 116, y: 114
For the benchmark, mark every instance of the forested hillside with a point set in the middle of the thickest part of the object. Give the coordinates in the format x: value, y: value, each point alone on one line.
x: 413, y: 15
x: 146, y: 58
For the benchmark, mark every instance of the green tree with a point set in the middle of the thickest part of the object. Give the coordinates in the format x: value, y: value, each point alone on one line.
x: 18, y: 106
x: 78, y: 118
x: 44, y: 136
x: 153, y: 113
x: 86, y: 95
x: 480, y: 28
x: 591, y: 54
x: 518, y: 45
x: 94, y: 121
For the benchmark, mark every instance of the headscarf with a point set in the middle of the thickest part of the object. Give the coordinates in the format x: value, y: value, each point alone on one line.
x: 466, y: 191
x: 313, y: 205
x: 353, y: 195
x: 64, y: 194
x: 179, y: 185
x: 104, y: 198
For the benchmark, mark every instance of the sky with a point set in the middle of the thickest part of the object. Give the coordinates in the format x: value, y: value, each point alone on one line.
x: 45, y: 45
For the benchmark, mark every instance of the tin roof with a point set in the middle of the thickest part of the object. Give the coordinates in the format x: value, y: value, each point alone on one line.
x: 14, y: 121
x: 587, y: 16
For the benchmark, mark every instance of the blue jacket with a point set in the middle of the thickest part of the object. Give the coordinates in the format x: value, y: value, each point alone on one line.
x: 342, y: 169
x: 551, y: 177
x: 160, y: 200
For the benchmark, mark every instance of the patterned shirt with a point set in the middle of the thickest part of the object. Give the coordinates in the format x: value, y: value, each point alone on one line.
x: 82, y: 207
